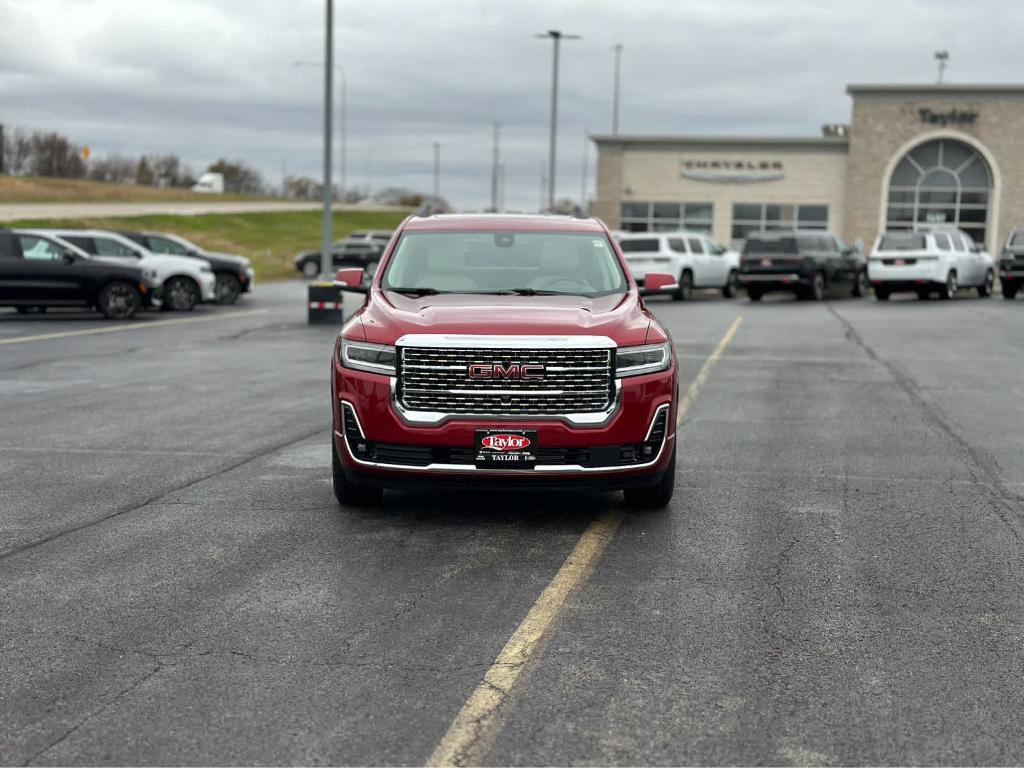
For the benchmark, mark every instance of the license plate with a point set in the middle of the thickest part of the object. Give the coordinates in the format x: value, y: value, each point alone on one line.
x: 506, y: 448
x: 899, y: 262
x: 766, y: 262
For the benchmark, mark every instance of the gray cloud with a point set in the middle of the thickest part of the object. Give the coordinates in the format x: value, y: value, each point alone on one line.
x: 216, y: 78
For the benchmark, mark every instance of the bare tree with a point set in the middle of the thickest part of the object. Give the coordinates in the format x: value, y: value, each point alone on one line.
x: 239, y: 177
x: 54, y: 155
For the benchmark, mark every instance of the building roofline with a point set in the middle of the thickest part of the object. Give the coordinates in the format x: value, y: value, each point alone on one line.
x: 936, y: 88
x: 765, y: 141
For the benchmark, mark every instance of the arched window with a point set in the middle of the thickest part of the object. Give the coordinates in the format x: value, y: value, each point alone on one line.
x: 941, y: 182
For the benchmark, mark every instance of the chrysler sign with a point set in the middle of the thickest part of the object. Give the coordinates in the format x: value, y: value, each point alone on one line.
x: 732, y: 171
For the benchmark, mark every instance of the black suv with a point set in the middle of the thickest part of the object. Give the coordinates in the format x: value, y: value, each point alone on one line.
x: 1011, y: 266
x: 37, y: 272
x: 810, y: 264
x: 346, y: 253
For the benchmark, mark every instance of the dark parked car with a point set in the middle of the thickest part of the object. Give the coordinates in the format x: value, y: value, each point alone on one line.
x: 810, y: 264
x: 234, y: 274
x: 364, y: 254
x: 1011, y: 266
x: 37, y: 272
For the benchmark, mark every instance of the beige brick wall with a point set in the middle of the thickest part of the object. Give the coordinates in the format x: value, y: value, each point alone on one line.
x: 883, y: 126
x: 813, y: 174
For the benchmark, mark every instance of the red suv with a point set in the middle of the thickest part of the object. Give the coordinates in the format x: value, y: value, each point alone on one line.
x: 504, y: 351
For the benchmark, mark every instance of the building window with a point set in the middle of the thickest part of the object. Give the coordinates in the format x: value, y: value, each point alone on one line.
x: 759, y: 217
x: 666, y: 217
x: 940, y: 182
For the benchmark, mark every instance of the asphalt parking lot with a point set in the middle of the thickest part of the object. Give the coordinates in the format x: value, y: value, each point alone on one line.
x: 839, y: 579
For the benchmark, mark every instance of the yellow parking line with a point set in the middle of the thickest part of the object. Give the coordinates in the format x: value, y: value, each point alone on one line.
x: 475, y: 727
x: 694, y: 389
x: 133, y: 326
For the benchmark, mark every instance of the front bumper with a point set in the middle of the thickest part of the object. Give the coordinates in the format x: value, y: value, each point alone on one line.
x: 606, y: 455
x: 208, y: 286
x: 247, y: 277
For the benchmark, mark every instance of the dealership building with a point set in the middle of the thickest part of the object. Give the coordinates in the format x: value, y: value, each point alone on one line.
x: 911, y: 154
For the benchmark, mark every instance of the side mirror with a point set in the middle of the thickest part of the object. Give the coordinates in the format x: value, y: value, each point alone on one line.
x: 350, y: 279
x: 68, y: 257
x: 656, y: 282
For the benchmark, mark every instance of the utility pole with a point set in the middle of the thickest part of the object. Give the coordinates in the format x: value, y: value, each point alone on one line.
x: 501, y: 186
x: 615, y: 89
x: 943, y: 58
x: 327, y: 237
x: 495, y: 168
x: 344, y: 136
x: 556, y: 37
x: 543, y: 188
x: 583, y: 174
x: 437, y: 170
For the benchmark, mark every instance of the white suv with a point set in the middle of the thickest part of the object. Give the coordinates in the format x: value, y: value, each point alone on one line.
x: 183, y: 282
x: 695, y: 258
x: 929, y: 260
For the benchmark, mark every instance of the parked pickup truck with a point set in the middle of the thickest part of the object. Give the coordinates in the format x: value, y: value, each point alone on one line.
x: 511, y: 352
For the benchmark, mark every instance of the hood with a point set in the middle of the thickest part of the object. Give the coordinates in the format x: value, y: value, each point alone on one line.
x: 387, y: 316
x: 168, y: 261
x: 240, y: 260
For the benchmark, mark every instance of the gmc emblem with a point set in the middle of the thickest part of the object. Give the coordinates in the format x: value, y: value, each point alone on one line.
x: 510, y: 371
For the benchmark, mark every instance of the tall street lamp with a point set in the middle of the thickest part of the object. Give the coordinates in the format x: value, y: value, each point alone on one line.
x: 556, y: 37
x: 343, y: 122
x: 615, y: 88
x: 327, y: 238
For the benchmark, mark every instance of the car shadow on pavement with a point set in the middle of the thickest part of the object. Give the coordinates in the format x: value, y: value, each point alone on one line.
x: 481, y: 508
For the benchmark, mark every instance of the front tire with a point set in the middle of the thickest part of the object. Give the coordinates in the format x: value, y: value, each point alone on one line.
x: 817, y: 289
x: 860, y: 285
x: 951, y: 287
x: 732, y: 285
x: 228, y: 288
x: 985, y: 289
x: 351, y: 494
x: 118, y: 301
x: 685, y: 292
x: 181, y: 294
x: 311, y: 270
x: 657, y: 496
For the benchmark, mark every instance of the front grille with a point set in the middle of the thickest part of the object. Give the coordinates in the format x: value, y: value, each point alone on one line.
x: 573, y: 381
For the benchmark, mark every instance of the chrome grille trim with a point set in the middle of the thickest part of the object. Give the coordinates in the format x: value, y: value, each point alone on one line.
x: 433, y: 384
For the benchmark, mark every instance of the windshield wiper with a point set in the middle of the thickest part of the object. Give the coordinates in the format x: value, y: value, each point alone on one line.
x: 418, y: 291
x: 529, y: 292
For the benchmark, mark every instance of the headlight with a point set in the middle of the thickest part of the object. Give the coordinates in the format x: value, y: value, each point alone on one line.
x: 149, y: 273
x: 361, y: 356
x: 650, y: 358
x: 206, y: 268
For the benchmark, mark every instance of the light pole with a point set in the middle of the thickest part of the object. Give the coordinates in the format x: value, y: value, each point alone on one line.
x: 437, y: 170
x: 327, y: 238
x: 556, y: 37
x: 615, y: 89
x: 942, y: 57
x: 343, y: 123
x: 495, y: 168
x: 583, y: 175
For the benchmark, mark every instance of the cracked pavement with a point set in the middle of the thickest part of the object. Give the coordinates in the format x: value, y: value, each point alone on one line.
x: 838, y: 581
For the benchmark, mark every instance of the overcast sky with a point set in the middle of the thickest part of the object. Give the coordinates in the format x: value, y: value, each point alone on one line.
x: 215, y: 78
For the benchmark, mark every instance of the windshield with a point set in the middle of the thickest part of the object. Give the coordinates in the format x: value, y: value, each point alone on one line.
x: 505, y: 262
x: 1018, y: 238
x: 902, y: 241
